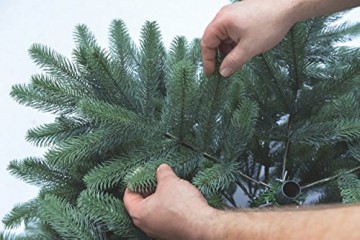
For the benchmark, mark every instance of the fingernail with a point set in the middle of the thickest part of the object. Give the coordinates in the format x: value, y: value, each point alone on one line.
x: 163, y: 166
x: 227, y: 71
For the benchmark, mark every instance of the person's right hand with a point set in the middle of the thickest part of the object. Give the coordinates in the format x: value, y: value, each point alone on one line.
x: 176, y: 210
x: 243, y: 30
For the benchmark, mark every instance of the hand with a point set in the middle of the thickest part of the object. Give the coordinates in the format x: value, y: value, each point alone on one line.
x: 243, y: 30
x: 176, y: 210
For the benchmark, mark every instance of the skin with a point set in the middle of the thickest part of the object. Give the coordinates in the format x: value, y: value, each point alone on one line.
x: 151, y: 214
x: 177, y: 210
x: 245, y: 29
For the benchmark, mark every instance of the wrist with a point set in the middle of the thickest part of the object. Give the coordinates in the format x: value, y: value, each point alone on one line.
x: 222, y: 224
x: 245, y: 225
x: 295, y: 10
x: 211, y: 225
x: 304, y: 9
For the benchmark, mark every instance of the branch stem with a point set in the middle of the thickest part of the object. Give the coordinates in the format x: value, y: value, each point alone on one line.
x: 213, y: 159
x: 325, y: 180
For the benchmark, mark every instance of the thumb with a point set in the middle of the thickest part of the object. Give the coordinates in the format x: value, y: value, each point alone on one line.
x: 164, y: 173
x: 235, y: 60
x: 132, y: 200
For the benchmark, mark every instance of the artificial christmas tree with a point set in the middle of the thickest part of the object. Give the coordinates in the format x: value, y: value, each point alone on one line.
x: 289, y: 118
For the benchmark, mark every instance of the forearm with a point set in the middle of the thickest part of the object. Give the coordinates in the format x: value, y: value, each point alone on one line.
x: 313, y: 223
x: 304, y: 9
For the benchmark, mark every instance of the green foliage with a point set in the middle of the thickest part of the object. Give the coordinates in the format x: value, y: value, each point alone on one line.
x: 267, y: 196
x: 349, y: 185
x: 181, y: 116
x: 33, y: 230
x: 69, y: 222
x: 21, y: 213
x: 120, y: 112
x: 142, y: 179
x: 216, y: 178
x: 63, y: 128
x: 108, y: 212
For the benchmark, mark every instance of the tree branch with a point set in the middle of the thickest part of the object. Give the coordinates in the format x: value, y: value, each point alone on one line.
x: 322, y: 181
x: 213, y: 159
x: 287, y: 148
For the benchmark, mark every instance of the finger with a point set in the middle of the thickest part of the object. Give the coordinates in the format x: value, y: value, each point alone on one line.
x: 211, y: 40
x: 235, y: 59
x: 208, y: 58
x: 208, y: 49
x: 131, y: 199
x: 164, y: 173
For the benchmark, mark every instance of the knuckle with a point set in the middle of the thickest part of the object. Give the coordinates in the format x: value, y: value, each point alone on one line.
x: 224, y: 13
x: 203, y: 44
x: 224, y: 9
x: 232, y: 59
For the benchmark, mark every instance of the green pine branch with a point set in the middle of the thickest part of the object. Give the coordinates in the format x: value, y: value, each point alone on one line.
x: 37, y: 171
x: 63, y: 128
x: 349, y: 185
x: 21, y: 213
x: 66, y: 220
x: 182, y: 93
x: 55, y: 65
x: 216, y: 178
x: 151, y: 69
x: 122, y: 112
x: 112, y: 173
x: 106, y: 211
x: 240, y: 132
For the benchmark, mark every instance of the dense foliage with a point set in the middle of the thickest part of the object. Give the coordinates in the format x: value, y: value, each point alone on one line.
x: 289, y: 114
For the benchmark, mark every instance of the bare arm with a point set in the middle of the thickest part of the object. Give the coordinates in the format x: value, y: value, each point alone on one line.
x: 177, y: 210
x: 339, y: 222
x: 245, y: 29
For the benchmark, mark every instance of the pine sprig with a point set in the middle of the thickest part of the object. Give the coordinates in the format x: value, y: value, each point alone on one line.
x: 151, y: 69
x: 216, y: 178
x: 122, y: 48
x: 66, y: 220
x: 112, y: 173
x: 44, y: 95
x: 328, y: 132
x: 63, y: 128
x: 349, y: 185
x: 86, y: 150
x: 337, y: 33
x: 142, y: 179
x: 36, y: 171
x: 241, y: 129
x: 212, y: 104
x: 123, y: 62
x: 21, y: 213
x: 348, y: 129
x: 55, y: 65
x: 346, y: 106
x: 178, y: 50
x: 296, y: 43
x: 84, y: 37
x: 182, y: 93
x: 124, y: 119
x: 106, y: 211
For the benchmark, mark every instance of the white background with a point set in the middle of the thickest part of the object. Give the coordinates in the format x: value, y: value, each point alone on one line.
x: 51, y: 22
